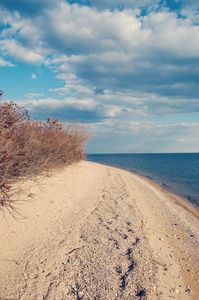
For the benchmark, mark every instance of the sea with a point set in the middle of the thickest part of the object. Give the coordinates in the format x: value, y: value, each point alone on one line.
x: 177, y: 173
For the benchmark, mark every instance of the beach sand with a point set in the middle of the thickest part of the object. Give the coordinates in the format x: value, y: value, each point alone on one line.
x: 96, y: 232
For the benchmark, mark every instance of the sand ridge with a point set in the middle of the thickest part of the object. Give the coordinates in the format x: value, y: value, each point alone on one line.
x: 96, y: 232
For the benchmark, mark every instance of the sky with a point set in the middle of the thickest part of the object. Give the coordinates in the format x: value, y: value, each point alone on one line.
x: 126, y: 70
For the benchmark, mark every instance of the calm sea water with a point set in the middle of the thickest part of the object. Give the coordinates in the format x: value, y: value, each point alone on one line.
x: 175, y: 172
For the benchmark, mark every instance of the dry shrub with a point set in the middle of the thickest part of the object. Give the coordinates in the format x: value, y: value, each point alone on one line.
x: 28, y: 148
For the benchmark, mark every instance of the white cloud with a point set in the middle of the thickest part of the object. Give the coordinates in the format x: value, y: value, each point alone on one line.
x: 70, y: 88
x: 82, y: 104
x: 84, y: 30
x: 4, y: 63
x: 115, y: 51
x: 114, y: 66
x: 67, y: 29
x: 33, y: 95
x: 169, y: 33
x: 15, y: 50
x: 33, y: 76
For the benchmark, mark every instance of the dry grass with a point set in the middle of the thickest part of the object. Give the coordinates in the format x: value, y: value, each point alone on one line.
x: 28, y: 148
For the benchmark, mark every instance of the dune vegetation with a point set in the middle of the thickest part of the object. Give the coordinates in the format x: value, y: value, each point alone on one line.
x: 29, y: 148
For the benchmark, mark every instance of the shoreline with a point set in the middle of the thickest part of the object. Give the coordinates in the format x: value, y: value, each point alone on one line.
x: 91, y: 231
x: 183, y: 201
x: 154, y: 178
x: 191, y: 205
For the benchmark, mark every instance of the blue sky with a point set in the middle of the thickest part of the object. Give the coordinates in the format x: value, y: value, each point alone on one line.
x: 128, y: 70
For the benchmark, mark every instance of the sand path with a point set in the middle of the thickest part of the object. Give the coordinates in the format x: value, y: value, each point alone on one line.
x: 96, y: 232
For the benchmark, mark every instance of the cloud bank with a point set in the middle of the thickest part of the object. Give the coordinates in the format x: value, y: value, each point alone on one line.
x: 118, y: 62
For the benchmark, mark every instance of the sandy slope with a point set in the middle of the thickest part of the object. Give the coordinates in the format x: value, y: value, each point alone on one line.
x: 96, y: 232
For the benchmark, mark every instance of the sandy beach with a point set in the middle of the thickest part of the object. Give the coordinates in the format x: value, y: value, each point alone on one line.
x: 96, y: 232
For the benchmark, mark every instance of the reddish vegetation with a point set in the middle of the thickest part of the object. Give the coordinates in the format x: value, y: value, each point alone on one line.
x: 28, y: 147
